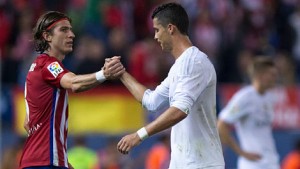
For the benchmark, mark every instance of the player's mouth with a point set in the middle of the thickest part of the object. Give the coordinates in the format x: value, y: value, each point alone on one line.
x: 70, y: 43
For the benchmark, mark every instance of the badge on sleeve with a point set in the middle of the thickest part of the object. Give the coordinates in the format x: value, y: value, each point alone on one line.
x: 55, y: 69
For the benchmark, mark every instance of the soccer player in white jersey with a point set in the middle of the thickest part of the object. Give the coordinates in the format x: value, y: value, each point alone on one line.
x: 250, y: 111
x: 187, y: 96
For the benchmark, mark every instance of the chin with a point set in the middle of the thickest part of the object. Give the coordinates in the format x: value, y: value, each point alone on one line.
x: 166, y: 49
x: 69, y: 50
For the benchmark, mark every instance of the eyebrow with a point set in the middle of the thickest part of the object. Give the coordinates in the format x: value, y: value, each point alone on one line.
x: 64, y: 27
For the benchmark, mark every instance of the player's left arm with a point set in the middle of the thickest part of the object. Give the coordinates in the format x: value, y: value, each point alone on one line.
x: 166, y: 120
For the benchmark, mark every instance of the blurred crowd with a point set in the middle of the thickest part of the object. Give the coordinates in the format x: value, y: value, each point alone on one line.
x: 231, y: 32
x: 84, y: 155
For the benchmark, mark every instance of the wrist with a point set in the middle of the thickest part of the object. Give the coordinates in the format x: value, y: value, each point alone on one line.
x: 142, y: 133
x: 100, y: 76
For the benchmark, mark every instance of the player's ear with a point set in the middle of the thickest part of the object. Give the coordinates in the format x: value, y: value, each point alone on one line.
x: 47, y: 36
x: 170, y: 28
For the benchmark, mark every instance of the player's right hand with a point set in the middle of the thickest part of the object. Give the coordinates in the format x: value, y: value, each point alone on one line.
x: 128, y: 142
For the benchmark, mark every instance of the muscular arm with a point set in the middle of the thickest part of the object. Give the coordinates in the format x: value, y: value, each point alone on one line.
x: 135, y: 88
x: 79, y: 83
x: 166, y: 120
x: 169, y: 118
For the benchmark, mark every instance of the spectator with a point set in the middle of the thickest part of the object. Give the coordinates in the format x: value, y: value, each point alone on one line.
x: 158, y: 156
x: 81, y: 156
x: 292, y: 159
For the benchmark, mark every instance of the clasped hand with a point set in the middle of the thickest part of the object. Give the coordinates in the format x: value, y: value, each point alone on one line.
x: 113, y: 68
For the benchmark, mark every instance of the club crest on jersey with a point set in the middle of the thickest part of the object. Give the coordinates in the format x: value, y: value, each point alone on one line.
x: 55, y: 69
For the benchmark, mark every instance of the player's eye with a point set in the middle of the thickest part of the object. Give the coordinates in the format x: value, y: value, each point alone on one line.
x: 65, y: 29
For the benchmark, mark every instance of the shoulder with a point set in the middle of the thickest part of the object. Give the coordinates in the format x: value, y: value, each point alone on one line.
x: 245, y: 93
x: 246, y: 90
x: 192, y: 59
x: 45, y: 60
x: 194, y: 54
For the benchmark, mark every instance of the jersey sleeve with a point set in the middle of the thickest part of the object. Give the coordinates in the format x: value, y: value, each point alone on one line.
x: 157, y: 100
x: 239, y: 106
x: 193, y: 77
x: 53, y: 71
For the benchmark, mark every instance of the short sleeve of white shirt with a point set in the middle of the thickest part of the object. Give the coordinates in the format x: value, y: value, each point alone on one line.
x: 238, y: 107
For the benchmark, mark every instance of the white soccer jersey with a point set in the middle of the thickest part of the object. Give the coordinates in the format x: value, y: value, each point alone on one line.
x: 252, y: 114
x: 190, y: 87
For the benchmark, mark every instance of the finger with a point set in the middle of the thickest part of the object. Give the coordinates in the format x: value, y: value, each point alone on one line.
x: 116, y: 69
x: 127, y: 149
x: 122, y: 150
x: 116, y: 65
x: 116, y: 57
x: 114, y: 61
x: 120, y: 143
x: 119, y: 73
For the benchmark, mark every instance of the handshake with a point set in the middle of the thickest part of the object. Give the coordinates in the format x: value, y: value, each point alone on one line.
x: 113, y: 68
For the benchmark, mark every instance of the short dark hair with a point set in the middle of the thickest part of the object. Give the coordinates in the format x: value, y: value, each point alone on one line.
x: 259, y: 65
x: 172, y: 13
x: 44, y: 24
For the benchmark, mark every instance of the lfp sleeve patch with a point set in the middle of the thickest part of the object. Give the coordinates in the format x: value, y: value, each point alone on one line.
x: 55, y: 69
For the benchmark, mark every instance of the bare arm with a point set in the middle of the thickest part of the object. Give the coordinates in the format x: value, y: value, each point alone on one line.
x: 166, y: 120
x: 79, y: 83
x: 169, y: 118
x: 227, y: 139
x: 135, y: 88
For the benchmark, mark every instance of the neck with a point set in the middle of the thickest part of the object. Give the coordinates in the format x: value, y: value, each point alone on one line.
x: 258, y: 87
x: 57, y: 55
x: 180, y: 44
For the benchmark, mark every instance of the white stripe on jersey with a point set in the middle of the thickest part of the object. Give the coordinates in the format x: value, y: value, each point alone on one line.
x: 26, y: 103
x: 55, y: 150
x: 62, y: 129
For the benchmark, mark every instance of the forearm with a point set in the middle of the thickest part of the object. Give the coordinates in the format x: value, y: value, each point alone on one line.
x: 79, y: 83
x: 82, y: 83
x: 135, y: 88
x: 226, y: 138
x: 166, y: 120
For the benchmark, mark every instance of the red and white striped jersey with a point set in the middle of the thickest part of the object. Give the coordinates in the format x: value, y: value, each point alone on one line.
x: 47, y: 112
